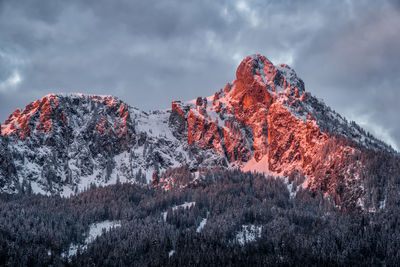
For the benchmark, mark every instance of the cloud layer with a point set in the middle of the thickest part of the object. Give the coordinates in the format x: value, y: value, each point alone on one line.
x: 151, y: 52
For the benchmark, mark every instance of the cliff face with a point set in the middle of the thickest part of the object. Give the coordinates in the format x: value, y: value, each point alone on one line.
x: 266, y: 112
x: 58, y: 139
x: 263, y: 121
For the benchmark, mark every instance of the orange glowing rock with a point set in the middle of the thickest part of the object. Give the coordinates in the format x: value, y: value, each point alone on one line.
x: 39, y: 117
x: 259, y: 130
x: 177, y: 108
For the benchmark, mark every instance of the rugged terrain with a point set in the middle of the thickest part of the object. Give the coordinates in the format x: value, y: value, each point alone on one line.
x: 263, y: 121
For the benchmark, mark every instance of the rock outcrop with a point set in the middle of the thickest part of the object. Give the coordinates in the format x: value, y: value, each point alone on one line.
x: 263, y: 121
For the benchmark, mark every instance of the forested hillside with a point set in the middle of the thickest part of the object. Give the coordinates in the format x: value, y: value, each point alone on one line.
x: 229, y: 218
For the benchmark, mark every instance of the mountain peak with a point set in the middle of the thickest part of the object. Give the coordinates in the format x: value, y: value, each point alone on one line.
x: 258, y: 78
x: 254, y: 65
x: 262, y: 121
x: 39, y: 116
x: 250, y: 84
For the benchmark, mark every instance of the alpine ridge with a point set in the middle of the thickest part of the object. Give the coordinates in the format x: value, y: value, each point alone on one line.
x: 263, y: 121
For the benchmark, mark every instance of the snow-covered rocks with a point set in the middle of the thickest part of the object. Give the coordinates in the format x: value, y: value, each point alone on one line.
x: 263, y: 121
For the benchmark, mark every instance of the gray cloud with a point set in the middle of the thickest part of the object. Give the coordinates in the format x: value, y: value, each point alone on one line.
x: 151, y: 52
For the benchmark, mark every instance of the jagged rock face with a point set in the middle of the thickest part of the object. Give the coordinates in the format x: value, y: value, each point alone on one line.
x: 242, y: 120
x: 263, y: 121
x: 57, y: 113
x: 292, y: 143
x: 62, y: 143
x: 59, y: 139
x: 330, y: 164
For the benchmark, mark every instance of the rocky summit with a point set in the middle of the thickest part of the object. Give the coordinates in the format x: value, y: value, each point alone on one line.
x: 263, y: 121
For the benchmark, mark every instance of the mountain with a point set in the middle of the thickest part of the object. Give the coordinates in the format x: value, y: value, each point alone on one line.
x: 263, y: 121
x: 63, y: 143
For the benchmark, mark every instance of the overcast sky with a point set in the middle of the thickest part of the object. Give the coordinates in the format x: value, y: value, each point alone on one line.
x: 151, y: 52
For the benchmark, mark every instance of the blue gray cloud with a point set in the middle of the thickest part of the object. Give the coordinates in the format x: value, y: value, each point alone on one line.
x: 151, y: 52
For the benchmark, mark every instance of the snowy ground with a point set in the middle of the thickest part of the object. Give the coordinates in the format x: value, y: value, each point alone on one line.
x: 261, y: 166
x: 171, y: 253
x: 201, y: 226
x: 186, y: 205
x: 248, y: 234
x: 95, y: 230
x: 292, y: 192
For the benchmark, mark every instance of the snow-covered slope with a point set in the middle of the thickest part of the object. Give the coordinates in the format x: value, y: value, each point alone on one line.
x: 263, y: 121
x: 63, y: 143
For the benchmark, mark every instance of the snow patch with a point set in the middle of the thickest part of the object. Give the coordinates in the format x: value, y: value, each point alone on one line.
x: 292, y: 193
x: 382, y: 204
x: 164, y: 215
x: 248, y: 234
x: 95, y: 230
x: 186, y: 205
x: 201, y: 226
x: 260, y: 166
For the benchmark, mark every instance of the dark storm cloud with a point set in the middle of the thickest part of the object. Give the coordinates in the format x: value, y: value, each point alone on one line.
x: 356, y: 62
x: 151, y: 52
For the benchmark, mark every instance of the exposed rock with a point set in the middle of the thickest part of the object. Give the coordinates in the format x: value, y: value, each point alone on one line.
x: 263, y: 121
